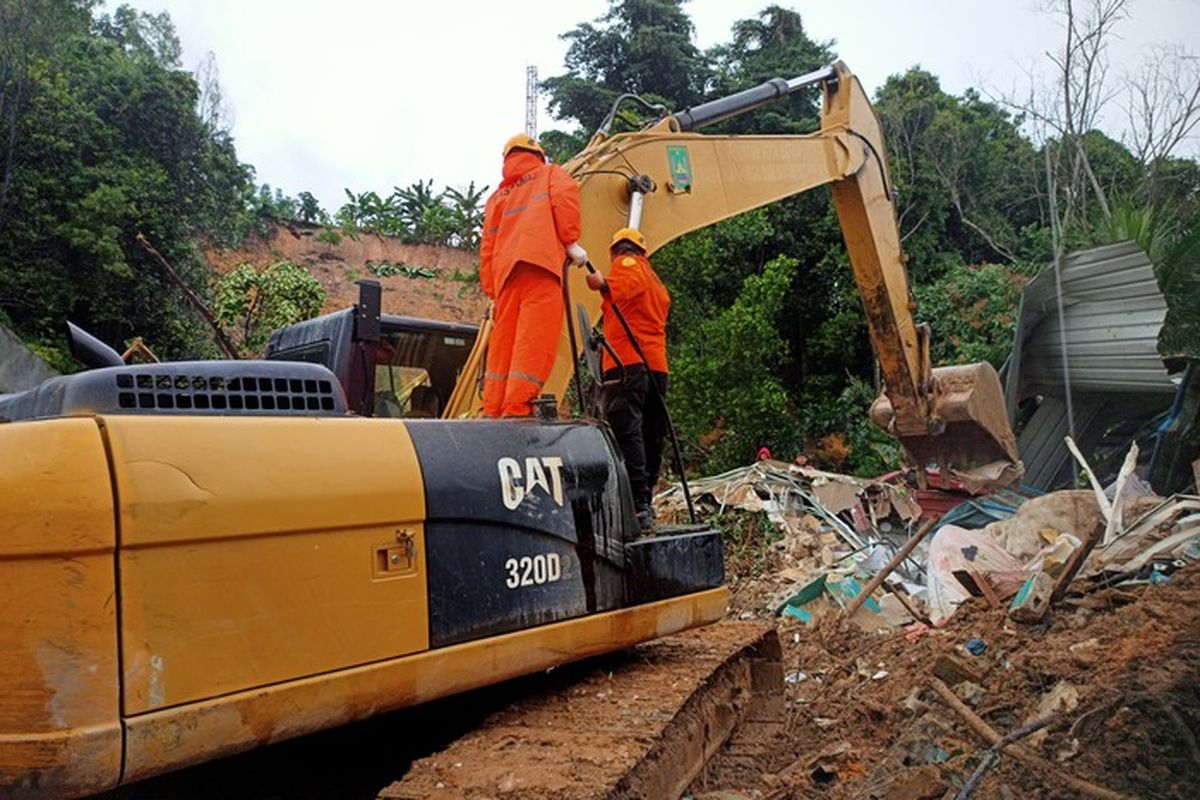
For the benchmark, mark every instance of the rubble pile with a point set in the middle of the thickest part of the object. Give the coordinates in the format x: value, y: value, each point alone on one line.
x: 824, y: 525
x: 1120, y: 683
x: 943, y: 645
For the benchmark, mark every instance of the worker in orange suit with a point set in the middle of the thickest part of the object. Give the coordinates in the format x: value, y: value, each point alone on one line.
x: 530, y: 227
x: 635, y: 404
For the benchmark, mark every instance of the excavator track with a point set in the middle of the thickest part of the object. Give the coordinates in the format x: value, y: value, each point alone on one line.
x: 639, y: 724
x: 636, y: 723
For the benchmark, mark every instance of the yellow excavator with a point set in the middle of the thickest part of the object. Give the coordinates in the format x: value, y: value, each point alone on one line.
x: 199, y: 558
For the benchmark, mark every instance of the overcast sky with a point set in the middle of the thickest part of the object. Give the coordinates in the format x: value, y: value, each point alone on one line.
x: 370, y: 95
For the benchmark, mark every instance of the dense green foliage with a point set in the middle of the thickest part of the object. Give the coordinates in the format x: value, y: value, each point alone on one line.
x: 106, y: 142
x: 256, y: 302
x: 767, y: 335
x: 103, y: 136
x: 1179, y: 276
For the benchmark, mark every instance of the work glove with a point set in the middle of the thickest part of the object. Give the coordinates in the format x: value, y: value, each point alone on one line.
x: 577, y: 254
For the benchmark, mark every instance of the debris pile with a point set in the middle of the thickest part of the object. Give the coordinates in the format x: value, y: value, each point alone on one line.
x: 939, y: 645
x: 826, y: 529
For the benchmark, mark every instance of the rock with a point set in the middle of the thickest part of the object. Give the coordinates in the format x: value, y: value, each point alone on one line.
x: 1033, y: 600
x: 1085, y: 654
x: 1061, y: 698
x: 912, y: 704
x: 924, y: 783
x: 952, y: 671
x: 970, y: 692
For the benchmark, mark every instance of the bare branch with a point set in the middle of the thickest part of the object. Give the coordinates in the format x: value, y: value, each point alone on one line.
x: 1162, y: 103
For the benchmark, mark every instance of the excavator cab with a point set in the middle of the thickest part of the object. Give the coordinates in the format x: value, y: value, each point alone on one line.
x: 390, y: 366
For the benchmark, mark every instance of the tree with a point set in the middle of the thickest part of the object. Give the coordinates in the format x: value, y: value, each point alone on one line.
x: 966, y: 179
x: 143, y: 35
x: 737, y: 349
x: 309, y: 209
x: 1179, y: 280
x: 466, y: 214
x: 108, y: 142
x: 274, y: 204
x: 641, y: 47
x: 256, y: 302
x: 772, y: 45
x: 1162, y: 107
x: 973, y: 312
x: 417, y: 213
x: 416, y: 207
x: 34, y: 32
x: 214, y: 109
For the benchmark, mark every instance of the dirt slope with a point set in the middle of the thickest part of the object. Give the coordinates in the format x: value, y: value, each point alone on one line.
x: 449, y: 295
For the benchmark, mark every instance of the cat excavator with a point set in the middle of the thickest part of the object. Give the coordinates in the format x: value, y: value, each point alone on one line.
x: 200, y: 558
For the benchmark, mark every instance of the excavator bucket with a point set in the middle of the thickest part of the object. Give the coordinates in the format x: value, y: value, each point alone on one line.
x: 969, y: 432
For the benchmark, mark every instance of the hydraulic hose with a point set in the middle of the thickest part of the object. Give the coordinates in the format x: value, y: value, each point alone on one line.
x: 566, y: 289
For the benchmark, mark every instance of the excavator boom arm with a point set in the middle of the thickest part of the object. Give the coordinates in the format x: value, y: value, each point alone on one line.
x: 668, y: 180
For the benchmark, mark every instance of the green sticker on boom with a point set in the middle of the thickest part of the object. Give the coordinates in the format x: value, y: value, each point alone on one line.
x: 681, y: 169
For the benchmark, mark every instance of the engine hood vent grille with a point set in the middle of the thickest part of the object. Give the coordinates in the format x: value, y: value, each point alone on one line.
x: 249, y: 388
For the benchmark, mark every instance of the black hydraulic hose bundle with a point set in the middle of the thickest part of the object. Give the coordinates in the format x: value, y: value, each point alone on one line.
x: 566, y: 289
x: 637, y: 348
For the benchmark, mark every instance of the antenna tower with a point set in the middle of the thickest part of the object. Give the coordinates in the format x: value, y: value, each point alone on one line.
x: 531, y: 94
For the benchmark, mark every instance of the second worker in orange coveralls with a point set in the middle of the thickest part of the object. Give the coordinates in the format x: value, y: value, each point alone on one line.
x: 634, y: 400
x: 530, y: 226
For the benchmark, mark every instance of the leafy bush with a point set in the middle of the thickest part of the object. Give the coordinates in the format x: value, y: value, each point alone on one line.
x: 328, y: 236
x: 973, y: 310
x: 418, y: 214
x: 839, y: 434
x: 724, y: 379
x: 256, y: 302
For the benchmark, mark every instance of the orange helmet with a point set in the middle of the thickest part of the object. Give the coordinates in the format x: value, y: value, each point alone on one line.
x: 631, y: 235
x: 523, y: 141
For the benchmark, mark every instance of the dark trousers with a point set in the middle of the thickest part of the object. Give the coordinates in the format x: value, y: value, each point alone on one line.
x: 638, y: 419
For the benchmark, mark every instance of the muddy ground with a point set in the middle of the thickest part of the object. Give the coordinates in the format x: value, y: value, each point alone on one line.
x: 636, y: 724
x: 863, y: 721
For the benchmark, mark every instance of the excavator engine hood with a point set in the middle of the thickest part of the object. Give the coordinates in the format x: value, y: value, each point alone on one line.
x: 259, y: 388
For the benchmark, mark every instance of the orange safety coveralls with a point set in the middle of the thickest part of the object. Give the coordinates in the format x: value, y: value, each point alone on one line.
x: 644, y: 302
x: 527, y: 224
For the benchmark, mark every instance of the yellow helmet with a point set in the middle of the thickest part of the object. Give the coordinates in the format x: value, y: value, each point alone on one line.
x: 632, y: 235
x: 523, y: 141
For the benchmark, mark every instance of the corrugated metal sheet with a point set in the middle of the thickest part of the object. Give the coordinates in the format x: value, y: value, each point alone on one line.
x: 1042, y: 441
x: 1113, y: 310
